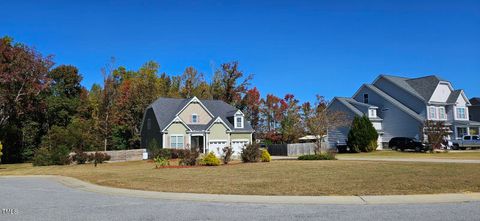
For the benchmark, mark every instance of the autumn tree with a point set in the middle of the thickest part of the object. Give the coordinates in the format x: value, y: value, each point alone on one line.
x: 252, y: 102
x: 318, y: 120
x: 435, y: 132
x: 291, y: 123
x: 230, y: 84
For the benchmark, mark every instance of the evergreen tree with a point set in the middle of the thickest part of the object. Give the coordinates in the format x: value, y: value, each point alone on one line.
x: 362, y: 136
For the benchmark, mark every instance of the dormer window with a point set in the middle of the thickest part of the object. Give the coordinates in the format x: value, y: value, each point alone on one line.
x: 194, y: 118
x: 238, y: 122
x: 372, y: 113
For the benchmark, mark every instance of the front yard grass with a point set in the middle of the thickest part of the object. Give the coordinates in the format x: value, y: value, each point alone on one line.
x: 466, y: 155
x: 288, y: 177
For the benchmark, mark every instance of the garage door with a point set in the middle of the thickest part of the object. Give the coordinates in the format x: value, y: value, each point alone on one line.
x: 216, y: 147
x: 237, y: 146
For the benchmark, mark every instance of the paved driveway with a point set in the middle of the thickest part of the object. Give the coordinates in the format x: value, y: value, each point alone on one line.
x: 45, y: 199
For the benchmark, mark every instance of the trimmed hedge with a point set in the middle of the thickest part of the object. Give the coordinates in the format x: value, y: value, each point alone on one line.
x: 323, y: 156
x: 265, y: 156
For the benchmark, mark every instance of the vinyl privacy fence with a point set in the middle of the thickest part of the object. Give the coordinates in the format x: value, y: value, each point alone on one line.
x: 295, y: 149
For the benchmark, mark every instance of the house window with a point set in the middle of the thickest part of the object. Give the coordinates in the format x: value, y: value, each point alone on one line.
x: 194, y: 118
x: 238, y: 122
x: 461, y: 113
x: 432, y: 113
x: 461, y: 131
x: 372, y: 113
x: 176, y: 141
x: 365, y: 98
x: 149, y: 124
x: 441, y: 113
x: 474, y: 131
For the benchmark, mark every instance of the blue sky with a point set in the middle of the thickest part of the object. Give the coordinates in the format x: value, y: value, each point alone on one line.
x: 300, y: 47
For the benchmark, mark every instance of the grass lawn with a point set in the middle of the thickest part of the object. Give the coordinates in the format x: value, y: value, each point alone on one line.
x: 288, y: 177
x: 469, y: 155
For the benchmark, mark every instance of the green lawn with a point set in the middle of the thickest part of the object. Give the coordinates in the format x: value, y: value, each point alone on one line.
x: 282, y: 177
x: 469, y: 155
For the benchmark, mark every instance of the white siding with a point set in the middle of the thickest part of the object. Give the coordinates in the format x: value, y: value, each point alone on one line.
x: 441, y: 93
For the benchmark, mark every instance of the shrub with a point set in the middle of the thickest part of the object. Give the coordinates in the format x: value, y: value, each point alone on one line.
x: 42, y: 157
x: 80, y: 157
x: 153, y: 148
x: 251, y: 153
x: 165, y: 153
x: 178, y: 153
x: 189, y: 158
x: 45, y: 156
x: 362, y: 134
x: 227, y: 153
x: 265, y: 156
x: 322, y: 156
x: 98, y: 157
x: 210, y: 160
x: 161, y: 161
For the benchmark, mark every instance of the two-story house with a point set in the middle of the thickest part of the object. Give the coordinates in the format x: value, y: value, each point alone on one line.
x: 208, y: 125
x: 398, y: 107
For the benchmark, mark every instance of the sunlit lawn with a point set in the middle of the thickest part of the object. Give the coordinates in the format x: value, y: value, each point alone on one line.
x: 289, y: 177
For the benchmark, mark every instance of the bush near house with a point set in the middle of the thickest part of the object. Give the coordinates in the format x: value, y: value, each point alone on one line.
x: 160, y: 161
x: 227, y: 153
x: 189, y: 158
x: 322, y: 156
x: 251, y: 153
x: 1, y: 147
x: 362, y: 136
x: 153, y: 148
x: 210, y: 160
x: 265, y: 156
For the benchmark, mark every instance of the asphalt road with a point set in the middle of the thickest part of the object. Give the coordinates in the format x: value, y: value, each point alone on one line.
x: 44, y: 199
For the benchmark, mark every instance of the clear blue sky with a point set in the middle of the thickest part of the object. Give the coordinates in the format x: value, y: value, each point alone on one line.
x: 300, y: 47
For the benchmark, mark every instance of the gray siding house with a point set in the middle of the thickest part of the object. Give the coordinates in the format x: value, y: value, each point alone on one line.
x: 208, y: 125
x: 399, y: 106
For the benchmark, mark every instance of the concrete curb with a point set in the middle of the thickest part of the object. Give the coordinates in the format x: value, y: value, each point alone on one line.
x: 419, y: 160
x: 344, y: 200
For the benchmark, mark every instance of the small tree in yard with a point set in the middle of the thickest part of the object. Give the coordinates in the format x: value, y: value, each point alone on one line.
x: 435, y: 132
x: 227, y: 153
x: 362, y: 136
x: 318, y: 120
x: 251, y: 153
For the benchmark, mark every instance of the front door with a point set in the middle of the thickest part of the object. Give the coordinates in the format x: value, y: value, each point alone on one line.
x: 197, y: 143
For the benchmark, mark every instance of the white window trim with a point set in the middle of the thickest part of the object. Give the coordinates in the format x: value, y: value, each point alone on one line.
x: 465, y: 113
x: 176, y: 141
x: 432, y: 110
x: 444, y: 113
x: 241, y: 121
x: 191, y: 119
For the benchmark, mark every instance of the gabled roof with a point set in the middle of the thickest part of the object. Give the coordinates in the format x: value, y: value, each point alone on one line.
x: 475, y: 101
x: 166, y: 109
x: 356, y: 107
x: 394, y: 102
x: 421, y: 88
x: 454, y: 96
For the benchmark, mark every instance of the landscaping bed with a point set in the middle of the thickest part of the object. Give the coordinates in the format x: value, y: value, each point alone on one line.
x: 275, y: 178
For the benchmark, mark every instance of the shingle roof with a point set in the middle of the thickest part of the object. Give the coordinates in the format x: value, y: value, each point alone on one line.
x: 165, y: 110
x: 454, y: 96
x: 395, y: 102
x: 422, y: 87
x: 475, y: 101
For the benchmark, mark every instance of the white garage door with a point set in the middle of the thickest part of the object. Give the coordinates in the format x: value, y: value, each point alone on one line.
x: 237, y: 146
x: 216, y: 147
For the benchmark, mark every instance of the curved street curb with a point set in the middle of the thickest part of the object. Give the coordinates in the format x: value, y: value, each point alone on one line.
x: 344, y: 200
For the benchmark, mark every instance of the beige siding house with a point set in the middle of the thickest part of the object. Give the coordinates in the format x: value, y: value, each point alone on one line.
x: 208, y: 125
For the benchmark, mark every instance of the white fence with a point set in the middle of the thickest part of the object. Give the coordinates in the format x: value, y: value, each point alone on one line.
x: 123, y: 155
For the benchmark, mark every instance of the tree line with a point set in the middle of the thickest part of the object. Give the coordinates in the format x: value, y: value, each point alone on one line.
x: 45, y: 106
